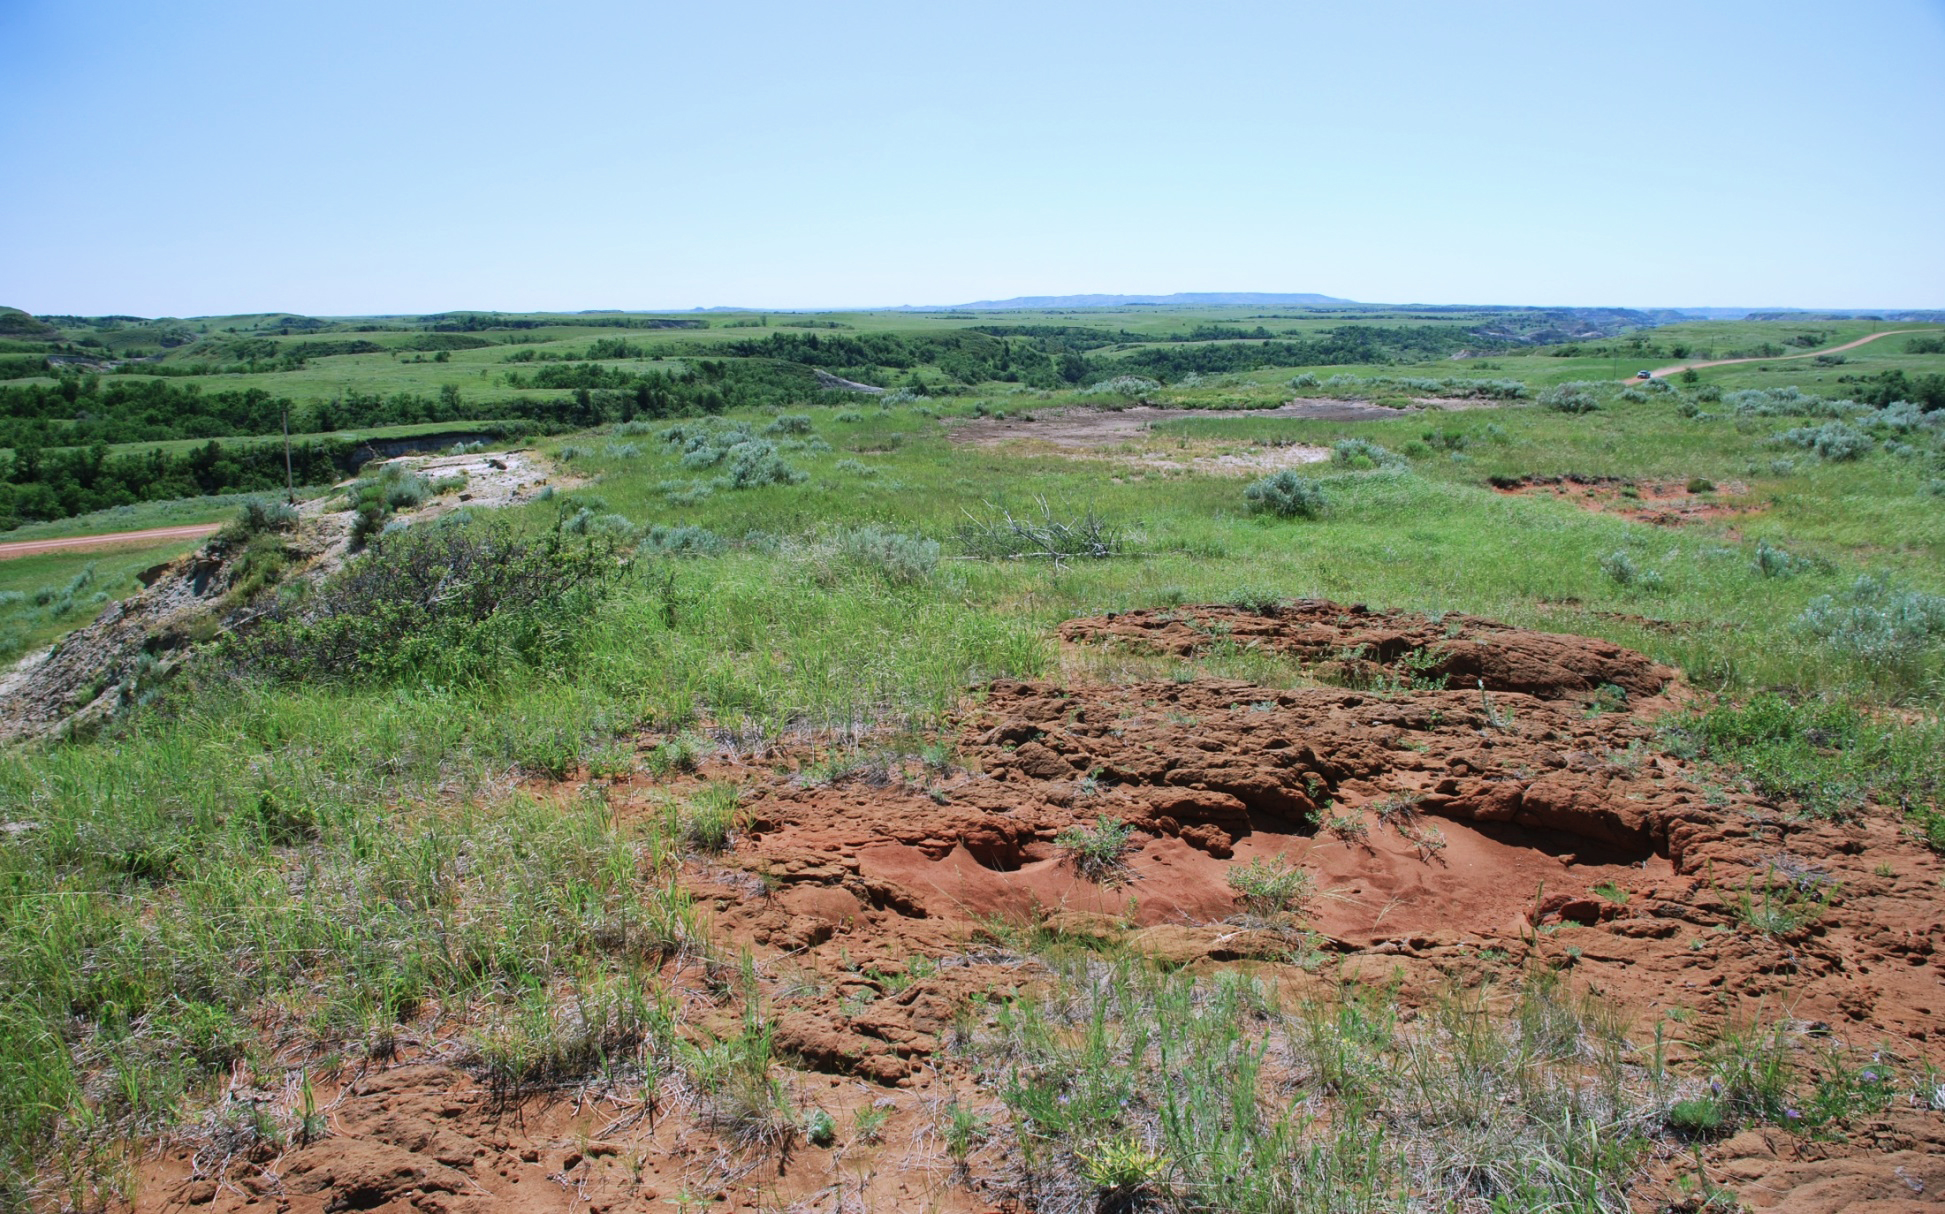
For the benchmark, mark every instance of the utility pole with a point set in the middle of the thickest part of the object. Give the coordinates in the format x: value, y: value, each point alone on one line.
x: 290, y: 482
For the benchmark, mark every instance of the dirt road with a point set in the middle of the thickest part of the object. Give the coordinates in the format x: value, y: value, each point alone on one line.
x: 114, y: 539
x: 1658, y: 372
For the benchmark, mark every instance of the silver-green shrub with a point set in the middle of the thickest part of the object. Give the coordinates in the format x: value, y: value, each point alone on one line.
x: 1833, y: 440
x: 1579, y: 396
x: 1875, y: 621
x: 1286, y: 495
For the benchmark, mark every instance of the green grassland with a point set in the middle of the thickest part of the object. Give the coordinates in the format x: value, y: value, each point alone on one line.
x: 44, y: 597
x: 175, y: 512
x: 261, y: 864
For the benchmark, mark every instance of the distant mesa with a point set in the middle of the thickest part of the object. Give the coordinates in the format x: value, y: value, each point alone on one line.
x: 1184, y: 299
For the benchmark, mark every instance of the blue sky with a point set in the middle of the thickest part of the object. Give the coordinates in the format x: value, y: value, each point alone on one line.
x: 195, y: 158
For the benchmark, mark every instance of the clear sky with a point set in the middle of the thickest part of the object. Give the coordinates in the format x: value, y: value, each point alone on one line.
x: 351, y: 157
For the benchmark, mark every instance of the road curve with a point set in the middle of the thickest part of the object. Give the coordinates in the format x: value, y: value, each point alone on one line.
x: 114, y: 539
x: 1658, y: 372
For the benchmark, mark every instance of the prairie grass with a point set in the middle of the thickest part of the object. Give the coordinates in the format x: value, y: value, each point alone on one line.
x: 1130, y: 1087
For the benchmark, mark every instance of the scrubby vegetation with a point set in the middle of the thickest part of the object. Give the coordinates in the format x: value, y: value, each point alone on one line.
x: 443, y: 603
x: 1286, y: 494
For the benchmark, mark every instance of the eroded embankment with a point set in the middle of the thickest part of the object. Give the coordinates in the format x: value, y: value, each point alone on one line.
x: 104, y: 666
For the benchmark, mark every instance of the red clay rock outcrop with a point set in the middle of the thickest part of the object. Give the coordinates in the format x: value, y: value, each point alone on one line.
x: 1357, y: 645
x: 1454, y: 838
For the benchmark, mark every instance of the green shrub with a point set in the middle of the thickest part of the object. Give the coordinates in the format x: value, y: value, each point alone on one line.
x: 368, y: 522
x: 1577, y: 397
x: 893, y: 555
x: 1900, y: 415
x: 258, y: 567
x: 257, y: 517
x: 707, y: 443
x: 1286, y: 495
x: 465, y: 602
x: 1362, y: 453
x: 791, y: 424
x: 1875, y: 622
x: 1701, y: 1117
x: 1121, y: 1172
x: 756, y: 463
x: 586, y: 522
x: 681, y: 753
x: 1621, y: 569
x: 1099, y: 852
x: 684, y: 540
x: 1254, y: 599
x: 1774, y: 562
x: 1834, y: 440
x: 1130, y: 387
x: 1785, y: 402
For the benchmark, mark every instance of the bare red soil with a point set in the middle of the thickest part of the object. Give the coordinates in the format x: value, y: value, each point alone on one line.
x: 1660, y: 503
x: 1457, y: 836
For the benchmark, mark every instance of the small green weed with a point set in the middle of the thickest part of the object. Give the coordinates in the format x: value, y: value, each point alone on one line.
x: 1272, y: 886
x: 1099, y: 852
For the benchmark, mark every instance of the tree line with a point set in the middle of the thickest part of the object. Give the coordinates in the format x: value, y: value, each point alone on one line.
x: 1343, y: 345
x: 40, y: 484
x: 81, y: 410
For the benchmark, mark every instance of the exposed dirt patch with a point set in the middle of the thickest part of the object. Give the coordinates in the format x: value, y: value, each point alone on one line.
x: 1254, y: 461
x: 114, y: 539
x: 424, y: 1134
x: 1661, y: 503
x: 1213, y: 772
x: 1456, y: 837
x: 1126, y: 437
x: 1084, y: 428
